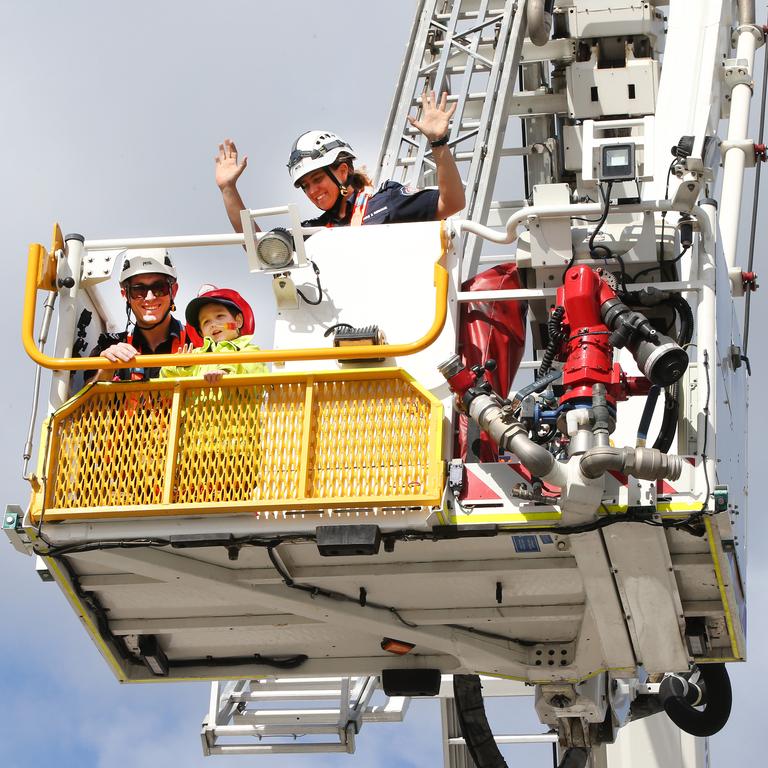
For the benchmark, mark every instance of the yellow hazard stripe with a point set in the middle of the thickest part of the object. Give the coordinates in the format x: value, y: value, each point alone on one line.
x: 506, y: 517
x: 721, y: 587
x: 91, y: 628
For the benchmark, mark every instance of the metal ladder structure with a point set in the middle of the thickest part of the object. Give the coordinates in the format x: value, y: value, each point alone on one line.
x: 293, y: 715
x: 473, y: 49
x: 324, y: 715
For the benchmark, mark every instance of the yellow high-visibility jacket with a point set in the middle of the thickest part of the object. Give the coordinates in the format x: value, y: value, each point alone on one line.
x: 240, y: 344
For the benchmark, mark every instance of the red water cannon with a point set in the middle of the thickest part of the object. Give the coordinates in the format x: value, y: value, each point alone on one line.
x: 595, y: 321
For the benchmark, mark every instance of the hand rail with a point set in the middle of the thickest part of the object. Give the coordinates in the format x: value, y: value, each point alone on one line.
x: 509, y: 235
x: 261, y: 356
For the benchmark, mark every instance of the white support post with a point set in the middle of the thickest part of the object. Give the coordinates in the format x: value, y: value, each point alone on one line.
x: 707, y: 358
x: 749, y: 38
x: 68, y: 272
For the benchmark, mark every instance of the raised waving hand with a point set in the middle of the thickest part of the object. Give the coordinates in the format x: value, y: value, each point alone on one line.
x: 435, y: 117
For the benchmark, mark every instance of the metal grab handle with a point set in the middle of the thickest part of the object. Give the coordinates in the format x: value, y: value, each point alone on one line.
x: 257, y: 356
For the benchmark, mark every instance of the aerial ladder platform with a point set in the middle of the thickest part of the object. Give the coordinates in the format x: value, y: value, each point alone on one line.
x: 523, y: 467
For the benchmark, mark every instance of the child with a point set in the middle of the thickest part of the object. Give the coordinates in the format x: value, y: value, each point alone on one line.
x: 225, y: 320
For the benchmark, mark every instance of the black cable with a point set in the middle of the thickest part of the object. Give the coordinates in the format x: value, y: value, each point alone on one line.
x: 556, y: 337
x: 331, y: 594
x: 661, y: 265
x: 603, y: 251
x: 99, y: 613
x: 179, y: 542
x: 330, y: 330
x: 278, y: 662
x: 647, y: 415
x: 319, y: 287
x: 599, y: 226
x: 664, y: 213
x: 492, y: 635
x: 669, y: 420
x: 601, y: 221
x: 541, y: 383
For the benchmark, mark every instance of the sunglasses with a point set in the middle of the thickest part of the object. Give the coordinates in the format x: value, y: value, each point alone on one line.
x: 140, y: 290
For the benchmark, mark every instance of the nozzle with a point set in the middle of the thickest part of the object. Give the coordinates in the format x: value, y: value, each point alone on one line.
x: 660, y: 358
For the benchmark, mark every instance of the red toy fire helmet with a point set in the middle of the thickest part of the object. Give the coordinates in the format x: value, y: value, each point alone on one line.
x: 228, y: 298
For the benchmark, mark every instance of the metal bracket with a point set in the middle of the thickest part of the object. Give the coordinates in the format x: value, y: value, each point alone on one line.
x: 736, y: 72
x: 456, y: 476
x: 687, y: 193
x: 741, y: 282
x: 12, y: 525
x: 97, y: 266
x: 757, y: 32
x: 747, y: 146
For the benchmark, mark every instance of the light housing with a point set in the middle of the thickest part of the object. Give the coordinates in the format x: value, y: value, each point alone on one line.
x: 617, y: 162
x: 275, y: 249
x: 152, y: 655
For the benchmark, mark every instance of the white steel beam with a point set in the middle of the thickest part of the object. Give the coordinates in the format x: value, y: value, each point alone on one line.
x: 506, y: 657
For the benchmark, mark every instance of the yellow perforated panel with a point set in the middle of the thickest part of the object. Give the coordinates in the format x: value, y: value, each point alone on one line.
x: 294, y: 441
x: 372, y: 439
x: 239, y: 443
x: 111, y: 451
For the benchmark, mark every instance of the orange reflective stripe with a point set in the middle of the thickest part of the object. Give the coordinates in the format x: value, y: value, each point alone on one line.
x: 361, y: 206
x: 358, y: 212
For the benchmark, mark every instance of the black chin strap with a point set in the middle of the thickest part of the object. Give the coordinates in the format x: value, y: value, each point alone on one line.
x: 335, y: 210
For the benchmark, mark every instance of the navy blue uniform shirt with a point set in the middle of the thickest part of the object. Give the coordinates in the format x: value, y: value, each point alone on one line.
x: 392, y: 204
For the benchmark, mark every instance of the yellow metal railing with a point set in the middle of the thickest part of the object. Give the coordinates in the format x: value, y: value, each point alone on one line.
x: 39, y: 263
x: 289, y: 442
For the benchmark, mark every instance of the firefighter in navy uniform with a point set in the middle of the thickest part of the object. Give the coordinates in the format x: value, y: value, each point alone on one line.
x: 322, y: 165
x: 148, y: 283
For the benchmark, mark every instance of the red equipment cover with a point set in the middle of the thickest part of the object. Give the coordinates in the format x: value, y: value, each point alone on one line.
x: 491, y: 329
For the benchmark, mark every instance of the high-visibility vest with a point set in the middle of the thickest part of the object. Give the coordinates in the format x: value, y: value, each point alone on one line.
x: 137, y: 374
x: 176, y: 344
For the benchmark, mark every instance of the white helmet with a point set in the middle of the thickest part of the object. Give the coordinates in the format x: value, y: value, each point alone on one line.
x: 316, y: 149
x: 146, y: 261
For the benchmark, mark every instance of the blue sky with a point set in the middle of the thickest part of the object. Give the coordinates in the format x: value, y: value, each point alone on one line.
x: 111, y: 117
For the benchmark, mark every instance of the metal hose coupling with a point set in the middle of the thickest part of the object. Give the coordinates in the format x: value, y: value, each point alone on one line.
x: 485, y: 407
x: 642, y: 463
x: 512, y: 436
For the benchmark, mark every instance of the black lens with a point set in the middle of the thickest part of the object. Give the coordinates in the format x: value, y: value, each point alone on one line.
x: 140, y: 290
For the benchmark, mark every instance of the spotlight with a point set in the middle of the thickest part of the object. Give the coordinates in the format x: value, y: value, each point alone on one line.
x: 618, y: 162
x: 275, y: 248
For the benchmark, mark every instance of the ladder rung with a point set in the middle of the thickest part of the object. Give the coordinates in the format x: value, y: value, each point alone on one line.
x: 329, y: 693
x: 276, y: 749
x: 296, y: 716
